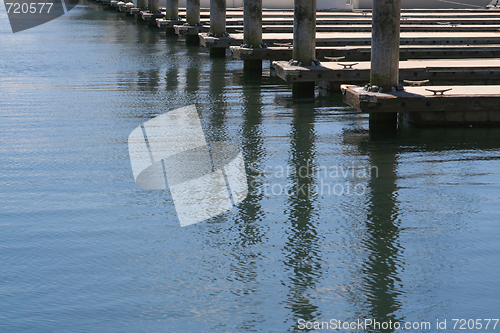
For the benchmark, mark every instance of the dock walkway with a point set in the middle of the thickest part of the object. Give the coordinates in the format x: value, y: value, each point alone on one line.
x: 361, y: 38
x: 468, y: 105
x: 469, y: 71
x: 363, y: 53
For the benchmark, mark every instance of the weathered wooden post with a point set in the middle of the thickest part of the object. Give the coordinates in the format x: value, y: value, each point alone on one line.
x: 172, y: 9
x: 141, y: 4
x: 171, y: 13
x: 304, y: 42
x: 193, y: 18
x: 153, y: 6
x: 252, y: 33
x: 218, y: 24
x: 385, y: 56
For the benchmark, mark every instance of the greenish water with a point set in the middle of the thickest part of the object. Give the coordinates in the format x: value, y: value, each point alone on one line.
x: 83, y: 249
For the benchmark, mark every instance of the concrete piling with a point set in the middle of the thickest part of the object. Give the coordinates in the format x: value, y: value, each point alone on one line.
x: 142, y: 4
x: 304, y: 42
x: 218, y: 24
x: 385, y: 56
x: 252, y: 33
x: 193, y: 18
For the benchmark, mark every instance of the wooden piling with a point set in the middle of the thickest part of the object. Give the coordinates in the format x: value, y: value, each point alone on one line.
x: 193, y: 18
x: 193, y: 12
x: 304, y: 42
x: 386, y: 17
x: 154, y: 5
x: 252, y: 33
x: 141, y: 5
x: 218, y: 24
x: 172, y: 9
x: 171, y: 14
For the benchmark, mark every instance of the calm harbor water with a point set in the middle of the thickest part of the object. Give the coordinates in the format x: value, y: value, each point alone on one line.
x: 411, y: 235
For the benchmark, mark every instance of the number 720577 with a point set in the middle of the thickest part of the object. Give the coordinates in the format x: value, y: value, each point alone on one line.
x: 463, y: 324
x: 28, y: 8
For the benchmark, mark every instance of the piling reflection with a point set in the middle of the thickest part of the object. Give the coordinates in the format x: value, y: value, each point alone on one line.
x: 247, y: 263
x: 148, y: 80
x: 143, y: 76
x: 251, y: 211
x: 172, y: 75
x: 376, y: 281
x: 380, y: 268
x: 217, y: 127
x: 193, y: 70
x: 302, y: 248
x: 381, y: 290
x: 246, y: 232
x: 172, y: 78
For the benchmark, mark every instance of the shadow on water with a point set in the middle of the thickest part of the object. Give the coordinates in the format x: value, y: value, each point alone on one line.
x: 445, y: 139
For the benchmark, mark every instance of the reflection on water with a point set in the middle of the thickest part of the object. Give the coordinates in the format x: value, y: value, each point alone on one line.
x: 84, y: 249
x: 193, y: 70
x: 217, y: 128
x: 251, y: 212
x: 301, y: 250
x: 381, y: 285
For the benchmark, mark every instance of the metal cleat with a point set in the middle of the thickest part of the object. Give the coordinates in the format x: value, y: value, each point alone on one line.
x: 334, y: 58
x: 289, y: 45
x: 416, y: 83
x: 348, y: 65
x: 439, y: 91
